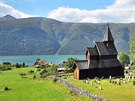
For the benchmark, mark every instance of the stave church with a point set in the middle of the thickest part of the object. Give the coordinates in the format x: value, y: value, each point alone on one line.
x: 101, y: 60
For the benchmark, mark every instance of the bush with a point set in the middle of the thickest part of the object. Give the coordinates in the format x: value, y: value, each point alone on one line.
x: 6, y: 88
x: 6, y: 63
x: 124, y: 58
x: 34, y: 76
x: 43, y: 72
x: 5, y: 67
x: 133, y: 82
x: 74, y: 92
x: 31, y: 71
x: 44, y: 75
x: 23, y: 75
x: 38, y: 69
x: 133, y: 67
x: 17, y: 65
x: 55, y: 79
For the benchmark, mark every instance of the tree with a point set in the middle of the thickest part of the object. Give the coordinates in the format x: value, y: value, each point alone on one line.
x: 6, y: 63
x: 38, y: 59
x: 132, y: 48
x: 23, y: 64
x: 124, y: 58
x: 69, y: 63
x: 17, y: 65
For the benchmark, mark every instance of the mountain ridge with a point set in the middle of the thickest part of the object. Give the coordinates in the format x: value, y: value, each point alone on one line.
x: 39, y: 35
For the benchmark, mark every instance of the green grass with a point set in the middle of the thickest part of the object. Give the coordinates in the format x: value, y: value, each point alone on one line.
x: 113, y: 92
x: 27, y: 89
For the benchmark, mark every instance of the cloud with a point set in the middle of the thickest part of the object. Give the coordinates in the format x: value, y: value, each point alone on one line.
x: 8, y: 10
x: 121, y: 11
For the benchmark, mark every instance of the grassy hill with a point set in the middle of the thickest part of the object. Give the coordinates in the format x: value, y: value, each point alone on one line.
x: 38, y: 35
x: 27, y: 89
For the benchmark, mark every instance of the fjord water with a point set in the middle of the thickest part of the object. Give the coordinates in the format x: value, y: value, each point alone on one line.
x: 30, y: 59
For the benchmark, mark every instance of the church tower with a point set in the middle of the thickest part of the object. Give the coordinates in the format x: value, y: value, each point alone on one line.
x: 108, y: 40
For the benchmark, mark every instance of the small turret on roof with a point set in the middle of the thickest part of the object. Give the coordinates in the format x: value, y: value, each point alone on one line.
x: 108, y: 35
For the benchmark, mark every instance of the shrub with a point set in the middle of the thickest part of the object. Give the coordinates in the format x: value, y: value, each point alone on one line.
x: 43, y: 72
x: 17, y: 65
x: 23, y: 75
x: 65, y: 77
x: 44, y: 75
x: 34, y: 76
x: 55, y: 79
x: 6, y: 88
x: 5, y: 67
x: 6, y: 63
x: 124, y: 58
x: 133, y: 82
x: 38, y: 69
x: 52, y: 69
x: 74, y: 92
x: 31, y: 71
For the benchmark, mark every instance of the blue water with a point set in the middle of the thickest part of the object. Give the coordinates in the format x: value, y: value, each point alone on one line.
x: 30, y: 59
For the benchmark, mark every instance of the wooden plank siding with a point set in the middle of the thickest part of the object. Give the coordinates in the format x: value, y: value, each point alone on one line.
x: 87, y: 55
x: 76, y: 73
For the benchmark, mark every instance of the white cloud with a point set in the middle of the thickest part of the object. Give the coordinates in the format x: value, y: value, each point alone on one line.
x: 8, y: 10
x: 120, y: 11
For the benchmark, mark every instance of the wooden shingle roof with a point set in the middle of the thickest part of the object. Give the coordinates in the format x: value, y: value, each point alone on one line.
x: 82, y: 64
x: 108, y: 35
x: 101, y: 48
x: 112, y: 50
x: 92, y: 50
x: 109, y: 63
x: 104, y: 50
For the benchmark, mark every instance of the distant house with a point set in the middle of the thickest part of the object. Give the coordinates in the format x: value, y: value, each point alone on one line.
x: 40, y: 62
x: 101, y: 60
x: 60, y: 70
x: 61, y: 67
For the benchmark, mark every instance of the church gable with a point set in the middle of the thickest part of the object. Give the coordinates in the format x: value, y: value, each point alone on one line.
x: 102, y: 49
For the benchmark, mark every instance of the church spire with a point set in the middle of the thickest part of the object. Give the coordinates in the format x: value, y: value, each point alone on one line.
x: 108, y: 35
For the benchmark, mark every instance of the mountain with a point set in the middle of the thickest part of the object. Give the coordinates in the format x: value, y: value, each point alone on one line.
x: 38, y: 35
x: 7, y: 17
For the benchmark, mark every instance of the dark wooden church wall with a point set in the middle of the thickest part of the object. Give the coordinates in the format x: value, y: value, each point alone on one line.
x: 89, y: 73
x: 83, y: 74
x: 114, y: 72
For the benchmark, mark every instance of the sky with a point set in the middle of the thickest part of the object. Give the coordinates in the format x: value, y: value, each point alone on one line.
x: 93, y: 11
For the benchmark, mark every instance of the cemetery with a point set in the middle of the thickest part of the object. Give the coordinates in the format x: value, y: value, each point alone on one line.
x: 112, y: 89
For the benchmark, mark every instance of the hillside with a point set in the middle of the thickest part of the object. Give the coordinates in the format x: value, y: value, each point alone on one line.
x: 38, y: 35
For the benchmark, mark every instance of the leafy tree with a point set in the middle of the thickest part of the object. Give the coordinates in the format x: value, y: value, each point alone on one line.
x: 17, y: 65
x: 38, y: 59
x: 124, y: 58
x: 6, y: 63
x: 23, y: 64
x: 132, y: 48
x: 69, y: 64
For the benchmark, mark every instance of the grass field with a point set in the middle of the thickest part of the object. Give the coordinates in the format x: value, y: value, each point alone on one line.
x: 113, y: 92
x: 27, y: 89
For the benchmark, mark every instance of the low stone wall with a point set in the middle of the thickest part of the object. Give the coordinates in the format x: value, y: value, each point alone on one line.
x: 80, y: 91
